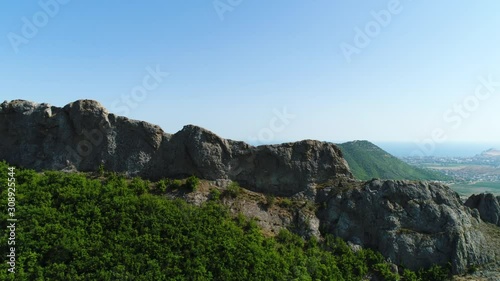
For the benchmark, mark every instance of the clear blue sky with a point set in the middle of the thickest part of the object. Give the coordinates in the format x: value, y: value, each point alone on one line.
x: 230, y: 73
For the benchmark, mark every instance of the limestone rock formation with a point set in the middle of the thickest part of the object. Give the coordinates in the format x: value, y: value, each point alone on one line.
x: 414, y: 224
x: 83, y: 135
x: 487, y: 205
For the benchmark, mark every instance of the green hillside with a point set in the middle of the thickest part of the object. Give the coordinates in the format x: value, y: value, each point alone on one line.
x: 75, y: 227
x: 368, y: 161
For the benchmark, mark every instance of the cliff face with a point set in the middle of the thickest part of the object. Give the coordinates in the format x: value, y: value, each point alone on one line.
x: 413, y: 223
x: 487, y: 205
x: 83, y: 135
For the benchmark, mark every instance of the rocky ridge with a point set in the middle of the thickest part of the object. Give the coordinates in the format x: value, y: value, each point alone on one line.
x: 83, y: 135
x: 414, y: 224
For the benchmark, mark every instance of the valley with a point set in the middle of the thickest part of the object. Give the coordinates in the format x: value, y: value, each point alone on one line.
x: 468, y: 175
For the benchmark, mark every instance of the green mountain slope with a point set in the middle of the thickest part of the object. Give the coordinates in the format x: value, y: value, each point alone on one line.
x: 74, y: 227
x: 368, y: 161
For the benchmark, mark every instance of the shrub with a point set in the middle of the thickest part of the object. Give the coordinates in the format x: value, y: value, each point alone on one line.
x: 435, y: 273
x: 270, y: 200
x: 175, y: 184
x: 192, y: 183
x: 384, y: 271
x: 215, y: 194
x: 101, y: 170
x: 409, y: 275
x: 310, y: 206
x: 139, y: 186
x: 285, y: 203
x: 162, y: 185
x: 233, y: 190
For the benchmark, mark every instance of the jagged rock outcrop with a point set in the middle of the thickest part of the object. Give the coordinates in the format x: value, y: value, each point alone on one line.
x: 487, y: 205
x: 83, y: 135
x: 414, y: 224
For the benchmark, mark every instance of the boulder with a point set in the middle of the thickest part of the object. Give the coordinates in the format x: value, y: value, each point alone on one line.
x: 487, y: 205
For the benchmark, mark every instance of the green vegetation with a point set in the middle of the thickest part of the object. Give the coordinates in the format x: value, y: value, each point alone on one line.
x: 434, y: 273
x: 72, y: 227
x: 270, y: 200
x: 101, y: 170
x: 368, y: 161
x: 285, y: 203
x: 175, y: 184
x: 162, y: 185
x: 215, y: 194
x: 192, y: 183
x: 233, y: 190
x: 139, y: 186
x: 467, y: 189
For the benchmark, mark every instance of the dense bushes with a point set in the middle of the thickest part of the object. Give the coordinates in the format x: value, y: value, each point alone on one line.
x: 74, y: 228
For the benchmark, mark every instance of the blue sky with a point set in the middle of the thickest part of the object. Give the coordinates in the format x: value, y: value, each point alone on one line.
x: 238, y: 70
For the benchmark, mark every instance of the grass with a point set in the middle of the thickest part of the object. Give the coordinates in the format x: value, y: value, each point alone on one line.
x: 467, y: 189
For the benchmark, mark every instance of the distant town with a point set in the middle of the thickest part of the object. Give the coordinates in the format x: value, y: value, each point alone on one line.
x: 480, y: 173
x: 484, y: 167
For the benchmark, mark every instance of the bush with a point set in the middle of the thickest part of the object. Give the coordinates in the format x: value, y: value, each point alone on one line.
x: 233, y: 190
x: 409, y: 276
x: 101, y: 170
x: 384, y: 271
x: 310, y: 206
x: 192, y: 183
x: 215, y: 194
x: 139, y: 186
x: 162, y: 185
x: 286, y: 203
x: 175, y: 184
x: 270, y: 200
x: 435, y: 273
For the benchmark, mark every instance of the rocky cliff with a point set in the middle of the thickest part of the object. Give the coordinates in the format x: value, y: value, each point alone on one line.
x: 415, y: 224
x: 83, y: 135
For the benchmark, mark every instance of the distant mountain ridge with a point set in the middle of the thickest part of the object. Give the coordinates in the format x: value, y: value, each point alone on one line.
x: 367, y: 161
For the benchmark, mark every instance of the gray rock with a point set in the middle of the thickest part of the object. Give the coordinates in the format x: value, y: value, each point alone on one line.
x: 83, y: 135
x: 414, y: 224
x: 487, y: 205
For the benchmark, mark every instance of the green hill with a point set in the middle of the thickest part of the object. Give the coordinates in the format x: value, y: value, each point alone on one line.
x: 368, y: 161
